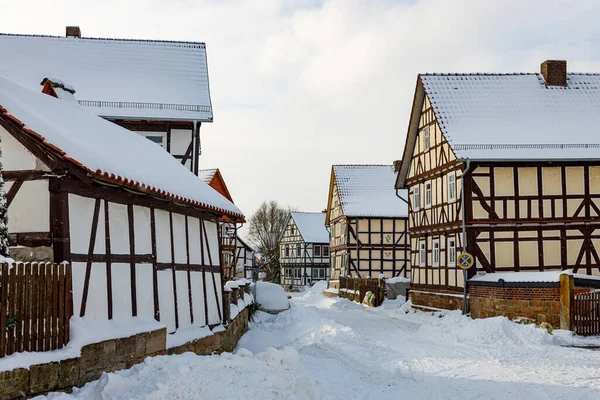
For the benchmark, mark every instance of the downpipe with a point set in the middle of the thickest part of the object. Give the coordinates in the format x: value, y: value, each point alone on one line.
x: 464, y: 232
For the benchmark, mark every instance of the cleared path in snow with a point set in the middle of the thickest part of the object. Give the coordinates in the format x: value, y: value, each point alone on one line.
x: 353, y: 352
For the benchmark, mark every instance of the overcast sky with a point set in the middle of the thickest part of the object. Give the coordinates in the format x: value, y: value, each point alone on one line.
x: 299, y: 85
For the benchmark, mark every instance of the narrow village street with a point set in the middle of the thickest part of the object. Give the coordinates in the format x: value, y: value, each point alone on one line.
x: 325, y: 348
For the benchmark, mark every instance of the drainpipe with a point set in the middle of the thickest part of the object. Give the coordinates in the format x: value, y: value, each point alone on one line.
x: 400, y: 197
x: 464, y: 232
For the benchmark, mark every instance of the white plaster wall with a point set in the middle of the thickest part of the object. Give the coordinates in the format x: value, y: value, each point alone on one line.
x: 198, y: 299
x: 81, y: 214
x: 144, y: 290
x: 183, y: 300
x: 121, y: 291
x: 219, y: 290
x: 180, y: 140
x: 119, y: 228
x: 163, y: 236
x: 194, y: 238
x: 212, y: 237
x: 166, y: 299
x: 97, y: 301
x: 30, y: 209
x: 15, y: 156
x: 141, y: 224
x: 213, y: 313
x: 179, y: 238
x: 77, y: 280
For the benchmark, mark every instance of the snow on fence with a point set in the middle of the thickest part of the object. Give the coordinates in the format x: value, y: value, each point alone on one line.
x: 35, y: 307
x: 355, y: 288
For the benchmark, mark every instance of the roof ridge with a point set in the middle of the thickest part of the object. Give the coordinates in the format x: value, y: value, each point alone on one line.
x: 307, y: 212
x: 362, y: 165
x: 497, y: 73
x: 107, y: 39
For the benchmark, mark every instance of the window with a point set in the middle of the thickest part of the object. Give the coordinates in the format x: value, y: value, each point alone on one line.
x: 297, y: 273
x: 451, y: 186
x: 427, y: 194
x: 158, y: 138
x: 292, y: 230
x: 416, y: 198
x: 318, y: 273
x: 299, y: 250
x: 422, y: 254
x: 325, y: 251
x: 288, y: 273
x: 435, y: 254
x: 317, y: 251
x: 426, y: 141
x: 287, y: 250
x: 451, y: 252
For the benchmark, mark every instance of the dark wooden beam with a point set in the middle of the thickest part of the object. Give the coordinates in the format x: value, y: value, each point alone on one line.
x: 59, y: 222
x: 30, y: 239
x: 12, y: 192
x: 25, y: 175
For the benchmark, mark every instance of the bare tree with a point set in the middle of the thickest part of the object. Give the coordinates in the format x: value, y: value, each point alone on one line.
x: 265, y: 227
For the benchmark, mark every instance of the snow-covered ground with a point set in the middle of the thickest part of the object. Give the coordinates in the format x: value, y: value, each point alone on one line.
x: 335, y: 349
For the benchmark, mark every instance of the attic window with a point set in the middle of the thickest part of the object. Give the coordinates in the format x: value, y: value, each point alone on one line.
x: 426, y: 141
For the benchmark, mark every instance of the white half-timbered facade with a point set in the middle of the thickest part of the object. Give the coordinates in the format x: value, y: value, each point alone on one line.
x: 245, y: 262
x: 140, y: 230
x: 304, y: 246
x: 158, y: 89
x: 368, y: 223
x: 505, y: 167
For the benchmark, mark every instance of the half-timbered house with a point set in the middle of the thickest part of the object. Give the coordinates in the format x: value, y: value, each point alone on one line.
x: 229, y: 228
x: 304, y: 246
x: 368, y: 225
x: 158, y: 89
x: 245, y: 259
x: 505, y: 167
x: 140, y: 230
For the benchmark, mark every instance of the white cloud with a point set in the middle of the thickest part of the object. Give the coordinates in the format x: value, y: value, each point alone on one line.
x: 300, y: 85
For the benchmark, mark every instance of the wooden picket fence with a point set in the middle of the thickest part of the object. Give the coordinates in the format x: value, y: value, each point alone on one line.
x: 355, y: 288
x: 35, y: 307
x: 586, y: 316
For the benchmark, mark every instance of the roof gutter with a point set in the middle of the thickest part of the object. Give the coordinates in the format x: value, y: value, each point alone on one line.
x: 400, y: 197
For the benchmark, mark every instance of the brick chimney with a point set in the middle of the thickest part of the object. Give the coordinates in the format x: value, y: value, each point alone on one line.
x: 554, y: 72
x: 73, y: 31
x: 397, y: 165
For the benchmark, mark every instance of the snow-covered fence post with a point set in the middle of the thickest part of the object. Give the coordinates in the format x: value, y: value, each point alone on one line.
x: 567, y: 297
x: 3, y: 215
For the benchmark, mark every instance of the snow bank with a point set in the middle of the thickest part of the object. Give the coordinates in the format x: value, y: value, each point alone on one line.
x: 185, y: 335
x: 452, y: 327
x: 272, y: 374
x: 83, y: 332
x: 318, y: 288
x: 398, y: 279
x: 271, y: 296
x: 535, y: 276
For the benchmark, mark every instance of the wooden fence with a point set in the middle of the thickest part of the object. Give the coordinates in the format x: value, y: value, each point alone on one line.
x: 355, y: 288
x: 35, y: 307
x: 586, y: 316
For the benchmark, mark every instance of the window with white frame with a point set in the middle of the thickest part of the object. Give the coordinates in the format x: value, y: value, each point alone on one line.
x: 435, y: 253
x: 451, y: 179
x: 317, y: 250
x: 288, y: 273
x: 417, y: 198
x: 318, y: 273
x: 156, y: 137
x: 428, y: 194
x: 422, y: 254
x: 297, y: 273
x: 426, y: 139
x: 451, y: 252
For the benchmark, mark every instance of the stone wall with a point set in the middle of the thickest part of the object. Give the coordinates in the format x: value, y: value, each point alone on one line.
x: 435, y: 299
x: 539, y: 303
x: 111, y: 355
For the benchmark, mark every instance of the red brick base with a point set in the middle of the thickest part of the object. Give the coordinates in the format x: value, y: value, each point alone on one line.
x: 540, y: 304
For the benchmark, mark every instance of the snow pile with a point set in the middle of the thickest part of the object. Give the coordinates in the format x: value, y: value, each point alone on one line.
x: 397, y: 279
x: 270, y: 296
x: 318, y: 288
x: 6, y: 260
x: 272, y: 374
x: 83, y: 332
x: 185, y: 335
x: 452, y: 327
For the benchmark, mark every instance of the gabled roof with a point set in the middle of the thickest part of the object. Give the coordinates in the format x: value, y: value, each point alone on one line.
x: 116, y: 78
x: 367, y: 191
x: 244, y: 244
x: 215, y: 180
x: 311, y: 226
x: 511, y: 117
x: 106, y: 151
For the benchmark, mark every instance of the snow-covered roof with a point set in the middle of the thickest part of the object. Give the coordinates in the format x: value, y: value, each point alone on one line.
x: 116, y: 77
x: 515, y: 116
x: 311, y: 226
x: 104, y: 149
x: 207, y: 174
x: 368, y: 191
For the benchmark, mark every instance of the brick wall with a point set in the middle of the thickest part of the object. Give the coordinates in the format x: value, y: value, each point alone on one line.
x: 436, y: 298
x: 539, y: 303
